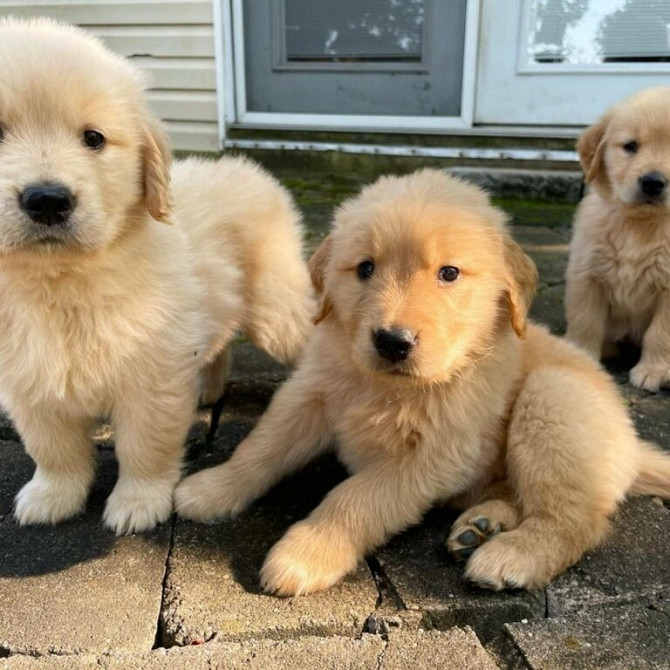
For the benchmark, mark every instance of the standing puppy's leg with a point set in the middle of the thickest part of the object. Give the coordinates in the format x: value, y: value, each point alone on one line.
x: 61, y: 447
x: 653, y: 370
x: 292, y: 431
x: 151, y: 429
x: 570, y: 460
x: 586, y: 313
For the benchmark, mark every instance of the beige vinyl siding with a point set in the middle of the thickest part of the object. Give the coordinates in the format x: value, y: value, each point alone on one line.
x: 173, y: 41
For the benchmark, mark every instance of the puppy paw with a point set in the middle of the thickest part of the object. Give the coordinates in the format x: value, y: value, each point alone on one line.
x: 305, y: 560
x: 478, y: 524
x: 209, y: 495
x: 649, y: 377
x: 137, y: 505
x: 506, y: 563
x: 48, y: 499
x: 467, y: 536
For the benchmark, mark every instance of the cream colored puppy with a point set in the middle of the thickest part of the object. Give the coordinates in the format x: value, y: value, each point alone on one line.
x: 423, y: 370
x: 104, y: 309
x: 618, y: 277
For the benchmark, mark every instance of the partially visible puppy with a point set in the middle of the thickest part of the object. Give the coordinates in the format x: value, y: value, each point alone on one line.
x: 618, y: 277
x: 424, y: 371
x: 104, y: 309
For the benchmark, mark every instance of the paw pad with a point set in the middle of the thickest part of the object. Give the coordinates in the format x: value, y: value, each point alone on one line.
x: 464, y: 540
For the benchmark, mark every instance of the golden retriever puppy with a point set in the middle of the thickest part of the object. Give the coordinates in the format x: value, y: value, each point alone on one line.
x: 423, y: 370
x: 104, y: 309
x: 618, y: 277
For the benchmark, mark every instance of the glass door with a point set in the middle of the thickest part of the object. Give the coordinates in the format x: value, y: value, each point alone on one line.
x: 563, y: 62
x: 311, y: 61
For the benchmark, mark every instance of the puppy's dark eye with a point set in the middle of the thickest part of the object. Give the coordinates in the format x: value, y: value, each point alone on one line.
x: 631, y: 147
x: 2, y: 134
x: 365, y: 270
x: 448, y: 273
x: 93, y: 139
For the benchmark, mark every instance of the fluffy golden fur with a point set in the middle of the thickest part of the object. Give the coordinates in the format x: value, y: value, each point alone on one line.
x: 113, y: 312
x: 618, y: 277
x: 523, y: 430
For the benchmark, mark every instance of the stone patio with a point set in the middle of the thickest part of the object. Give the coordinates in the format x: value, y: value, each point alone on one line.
x: 187, y: 596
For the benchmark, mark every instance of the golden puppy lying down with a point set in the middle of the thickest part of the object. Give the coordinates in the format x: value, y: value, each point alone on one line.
x: 618, y: 277
x: 424, y: 371
x: 104, y: 310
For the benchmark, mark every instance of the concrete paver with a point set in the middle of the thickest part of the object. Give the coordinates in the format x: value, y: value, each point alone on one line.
x: 456, y: 649
x: 212, y: 586
x: 632, y: 565
x: 427, y: 579
x: 619, y: 638
x: 75, y: 586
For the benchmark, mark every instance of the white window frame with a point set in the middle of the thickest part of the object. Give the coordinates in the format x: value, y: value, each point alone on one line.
x: 526, y: 67
x: 232, y: 82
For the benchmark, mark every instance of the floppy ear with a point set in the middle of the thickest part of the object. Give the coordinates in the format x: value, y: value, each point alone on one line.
x: 156, y: 159
x: 317, y: 268
x: 521, y: 279
x: 590, y: 147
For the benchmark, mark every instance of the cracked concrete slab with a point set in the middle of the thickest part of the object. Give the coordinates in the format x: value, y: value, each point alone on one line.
x: 334, y: 653
x: 212, y: 586
x: 619, y: 638
x: 75, y: 587
x: 427, y: 579
x: 52, y: 662
x: 456, y: 649
x: 632, y: 565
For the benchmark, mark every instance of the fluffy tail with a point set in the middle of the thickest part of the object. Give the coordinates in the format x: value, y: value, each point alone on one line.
x: 653, y: 478
x: 280, y: 302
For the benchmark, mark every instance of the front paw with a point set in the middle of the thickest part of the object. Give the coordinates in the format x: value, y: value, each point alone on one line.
x: 649, y: 376
x: 211, y: 494
x: 506, y: 562
x: 307, y: 560
x: 49, y: 498
x: 137, y: 505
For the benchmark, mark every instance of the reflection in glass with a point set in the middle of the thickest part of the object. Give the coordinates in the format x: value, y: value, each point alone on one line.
x: 354, y: 30
x: 588, y: 32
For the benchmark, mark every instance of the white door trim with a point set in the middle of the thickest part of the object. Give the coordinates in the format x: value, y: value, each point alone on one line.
x: 354, y: 121
x: 224, y: 67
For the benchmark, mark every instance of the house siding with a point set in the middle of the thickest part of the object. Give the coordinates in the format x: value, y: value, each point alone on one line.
x: 172, y: 41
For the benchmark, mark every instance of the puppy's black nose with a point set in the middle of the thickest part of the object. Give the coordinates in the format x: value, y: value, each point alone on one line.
x: 50, y: 204
x: 652, y: 184
x: 394, y: 344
